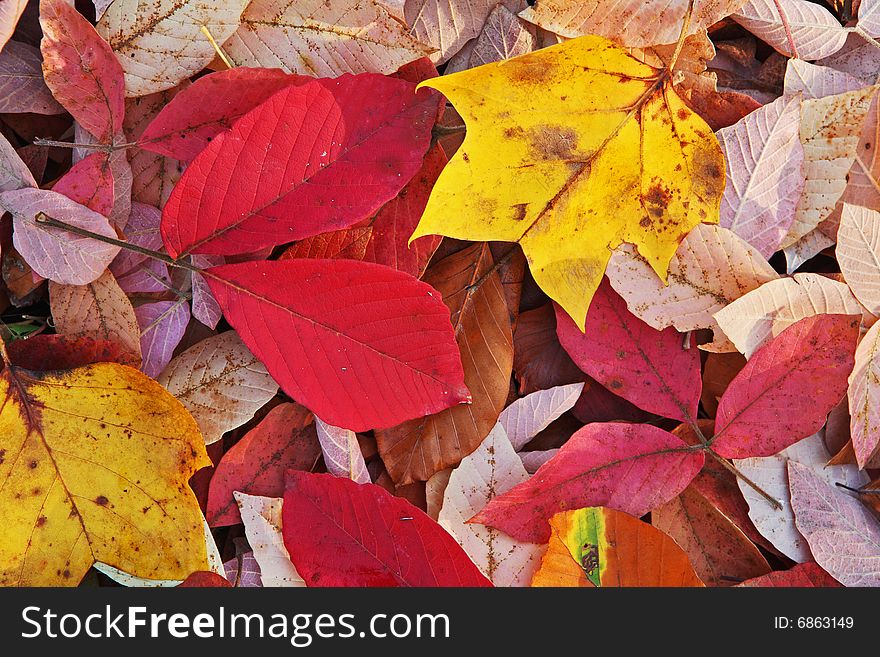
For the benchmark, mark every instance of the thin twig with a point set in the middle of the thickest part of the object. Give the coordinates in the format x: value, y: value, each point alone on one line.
x: 503, y: 260
x: 739, y: 475
x: 106, y: 148
x: 686, y: 23
x: 222, y: 55
x: 444, y: 130
x: 45, y: 220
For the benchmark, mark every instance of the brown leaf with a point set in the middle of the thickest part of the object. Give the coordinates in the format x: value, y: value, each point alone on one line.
x: 98, y: 310
x: 415, y: 450
x: 539, y: 360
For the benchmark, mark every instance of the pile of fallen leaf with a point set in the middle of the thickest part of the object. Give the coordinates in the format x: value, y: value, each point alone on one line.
x: 440, y: 293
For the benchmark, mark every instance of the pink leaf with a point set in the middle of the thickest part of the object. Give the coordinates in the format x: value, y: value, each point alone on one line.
x: 803, y: 575
x: 81, y: 70
x: 22, y: 88
x: 162, y: 325
x: 204, y: 306
x: 629, y: 467
x: 655, y: 370
x: 135, y: 272
x: 788, y: 387
x: 54, y: 253
x: 764, y: 158
x: 843, y: 534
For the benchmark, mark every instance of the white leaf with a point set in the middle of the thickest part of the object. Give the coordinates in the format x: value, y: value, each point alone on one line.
x: 858, y: 253
x: 830, y: 131
x: 633, y: 23
x: 711, y: 268
x: 342, y: 452
x: 843, y: 534
x: 323, y: 38
x: 864, y: 397
x: 262, y: 526
x: 764, y: 313
x: 220, y: 382
x: 533, y: 460
x: 14, y: 173
x: 815, y: 81
x: 770, y: 473
x: 161, y: 42
x: 492, y: 469
x: 815, y: 31
x: 807, y: 247
x: 446, y: 24
x: 527, y: 417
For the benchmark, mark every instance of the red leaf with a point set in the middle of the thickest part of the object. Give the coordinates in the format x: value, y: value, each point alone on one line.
x: 650, y: 368
x: 340, y: 533
x: 205, y: 579
x: 285, y: 439
x: 361, y: 345
x: 803, y: 575
x: 628, y: 467
x: 788, y: 387
x: 90, y: 183
x: 209, y: 106
x: 42, y: 353
x: 313, y: 158
x: 385, y: 239
x: 81, y: 70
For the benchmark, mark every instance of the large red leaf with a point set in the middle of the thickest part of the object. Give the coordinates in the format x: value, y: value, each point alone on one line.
x: 200, y: 112
x: 385, y: 239
x: 81, y: 70
x: 340, y: 533
x: 284, y: 440
x: 629, y: 467
x: 788, y: 387
x: 361, y: 345
x: 312, y: 158
x: 658, y: 371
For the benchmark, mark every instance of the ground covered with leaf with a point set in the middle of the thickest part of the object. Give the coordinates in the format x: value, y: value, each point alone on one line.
x: 440, y: 293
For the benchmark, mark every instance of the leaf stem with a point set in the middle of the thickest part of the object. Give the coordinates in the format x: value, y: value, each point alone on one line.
x: 222, y: 55
x: 739, y: 475
x: 503, y: 260
x: 43, y: 219
x: 787, y: 28
x: 686, y: 23
x: 444, y: 130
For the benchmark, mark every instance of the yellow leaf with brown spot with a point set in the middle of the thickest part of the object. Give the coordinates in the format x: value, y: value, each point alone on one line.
x: 571, y: 151
x: 94, y: 466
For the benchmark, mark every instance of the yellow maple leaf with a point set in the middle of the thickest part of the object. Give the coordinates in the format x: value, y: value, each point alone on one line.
x: 570, y: 151
x: 94, y: 466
